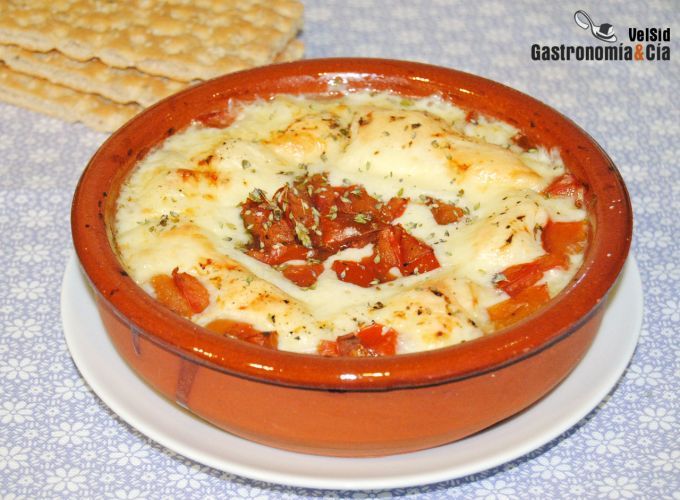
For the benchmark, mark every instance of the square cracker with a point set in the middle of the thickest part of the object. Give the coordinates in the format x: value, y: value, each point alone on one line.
x: 291, y: 52
x: 40, y: 95
x: 180, y: 39
x: 95, y: 111
x: 93, y: 76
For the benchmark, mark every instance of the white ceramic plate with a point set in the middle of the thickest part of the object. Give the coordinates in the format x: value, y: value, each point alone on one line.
x: 164, y: 422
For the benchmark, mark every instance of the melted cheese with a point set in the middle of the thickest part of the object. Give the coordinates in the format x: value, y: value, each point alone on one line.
x: 180, y: 208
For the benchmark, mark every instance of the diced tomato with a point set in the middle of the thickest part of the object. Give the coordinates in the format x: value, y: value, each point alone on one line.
x: 266, y: 224
x: 446, y: 213
x: 416, y: 256
x: 244, y: 331
x: 394, y: 247
x: 388, y: 252
x: 443, y: 212
x: 378, y: 339
x: 304, y: 275
x: 343, y: 232
x: 520, y: 306
x: 192, y: 290
x: 278, y: 254
x: 297, y: 208
x: 565, y: 238
x: 169, y: 295
x: 318, y: 181
x: 279, y: 232
x: 350, y: 345
x: 312, y: 219
x: 552, y: 260
x: 180, y: 292
x: 520, y: 276
x: 375, y: 268
x: 322, y: 194
x: 325, y: 200
x: 328, y: 348
x: 567, y: 186
x: 426, y: 262
x: 355, y: 200
x: 372, y: 340
x: 362, y: 273
x: 559, y: 239
x: 393, y: 209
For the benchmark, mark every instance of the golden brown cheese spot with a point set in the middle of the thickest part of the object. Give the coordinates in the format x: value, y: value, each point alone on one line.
x: 487, y: 166
x: 186, y: 242
x: 403, y: 143
x: 429, y: 318
x: 309, y: 138
x: 414, y: 142
x: 189, y: 175
x: 257, y: 302
x: 503, y: 235
x: 469, y: 297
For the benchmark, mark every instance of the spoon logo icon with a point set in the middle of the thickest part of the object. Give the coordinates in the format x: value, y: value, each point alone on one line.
x: 604, y: 31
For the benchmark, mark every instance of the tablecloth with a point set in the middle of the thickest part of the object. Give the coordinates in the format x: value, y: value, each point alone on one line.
x: 57, y: 439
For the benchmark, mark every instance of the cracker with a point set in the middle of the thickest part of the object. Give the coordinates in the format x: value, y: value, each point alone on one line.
x: 43, y: 96
x: 175, y: 38
x: 291, y: 52
x: 94, y: 77
x: 95, y: 111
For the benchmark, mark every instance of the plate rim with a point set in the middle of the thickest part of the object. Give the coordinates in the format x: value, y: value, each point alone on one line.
x: 73, y: 281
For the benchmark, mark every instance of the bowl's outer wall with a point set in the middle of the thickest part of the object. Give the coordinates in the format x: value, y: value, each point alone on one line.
x: 94, y: 208
x: 421, y: 400
x: 355, y: 423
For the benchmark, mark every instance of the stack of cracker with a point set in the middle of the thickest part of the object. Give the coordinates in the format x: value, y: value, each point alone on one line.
x: 101, y: 62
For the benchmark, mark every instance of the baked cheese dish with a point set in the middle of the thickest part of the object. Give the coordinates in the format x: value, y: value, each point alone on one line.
x: 364, y: 224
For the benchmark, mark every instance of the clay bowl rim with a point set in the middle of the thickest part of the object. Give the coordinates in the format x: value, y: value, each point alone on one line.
x: 94, y: 200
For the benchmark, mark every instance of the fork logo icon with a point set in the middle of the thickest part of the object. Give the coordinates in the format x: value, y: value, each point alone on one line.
x: 604, y: 31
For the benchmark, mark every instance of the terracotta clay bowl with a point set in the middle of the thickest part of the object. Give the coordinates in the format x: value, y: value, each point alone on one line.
x: 352, y: 406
